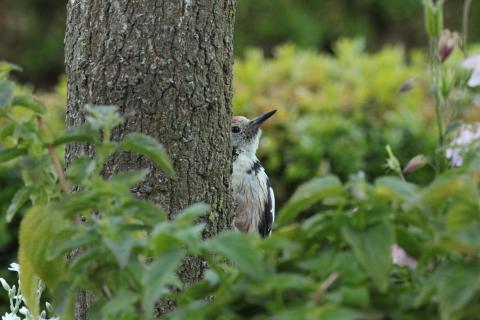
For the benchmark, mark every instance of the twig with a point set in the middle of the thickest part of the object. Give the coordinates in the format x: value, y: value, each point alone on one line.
x: 58, y: 168
x: 56, y: 163
x: 327, y: 283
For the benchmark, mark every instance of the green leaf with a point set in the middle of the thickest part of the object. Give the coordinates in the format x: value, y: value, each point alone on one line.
x: 445, y: 189
x: 121, y: 248
x: 19, y: 199
x: 29, y: 102
x: 11, y: 153
x: 159, y: 274
x: 6, y: 91
x: 308, y: 194
x: 188, y: 215
x: 355, y: 296
x: 39, y: 229
x: 6, y: 68
x: 457, y: 286
x: 123, y: 301
x: 372, y: 249
x: 237, y: 248
x: 81, y: 169
x: 333, y: 312
x: 28, y: 283
x: 83, y: 133
x: 148, y: 146
x: 146, y: 211
x: 7, y: 130
x: 394, y: 187
x: 59, y: 248
x: 103, y: 117
x: 129, y: 177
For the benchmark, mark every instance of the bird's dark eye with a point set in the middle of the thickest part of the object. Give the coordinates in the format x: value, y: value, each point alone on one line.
x: 235, y: 129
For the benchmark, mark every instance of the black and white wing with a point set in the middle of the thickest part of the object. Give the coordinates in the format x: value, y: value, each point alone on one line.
x: 266, y: 224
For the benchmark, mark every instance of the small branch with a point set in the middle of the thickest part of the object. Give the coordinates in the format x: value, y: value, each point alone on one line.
x: 325, y: 285
x: 58, y: 168
x: 56, y: 162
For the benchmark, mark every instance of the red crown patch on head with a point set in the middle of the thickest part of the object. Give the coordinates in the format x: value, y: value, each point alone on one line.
x: 234, y: 118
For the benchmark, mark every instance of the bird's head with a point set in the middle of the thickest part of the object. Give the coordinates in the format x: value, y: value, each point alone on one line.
x: 246, y: 133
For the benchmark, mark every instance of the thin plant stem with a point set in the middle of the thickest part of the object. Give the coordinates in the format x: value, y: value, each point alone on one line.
x: 56, y: 162
x: 327, y: 283
x: 435, y: 70
x: 58, y: 168
x: 466, y: 10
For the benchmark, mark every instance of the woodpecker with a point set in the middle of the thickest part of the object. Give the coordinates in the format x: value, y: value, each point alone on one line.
x: 253, y: 195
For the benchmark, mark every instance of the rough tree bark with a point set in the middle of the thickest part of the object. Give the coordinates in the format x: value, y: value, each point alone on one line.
x: 167, y: 64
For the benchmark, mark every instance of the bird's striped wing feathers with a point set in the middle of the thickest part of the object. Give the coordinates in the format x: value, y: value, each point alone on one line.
x: 266, y: 223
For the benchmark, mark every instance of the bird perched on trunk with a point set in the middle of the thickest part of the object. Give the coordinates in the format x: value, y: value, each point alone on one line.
x: 253, y: 195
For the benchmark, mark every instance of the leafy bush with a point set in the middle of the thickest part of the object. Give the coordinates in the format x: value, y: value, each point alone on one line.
x: 10, y: 175
x: 333, y: 263
x: 370, y: 247
x: 336, y: 113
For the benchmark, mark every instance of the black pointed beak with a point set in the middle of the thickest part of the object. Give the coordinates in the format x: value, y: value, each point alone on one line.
x: 255, y: 123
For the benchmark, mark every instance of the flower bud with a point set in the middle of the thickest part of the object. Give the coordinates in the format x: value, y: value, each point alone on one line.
x: 401, y: 258
x: 49, y: 307
x: 417, y: 162
x: 407, y: 85
x: 433, y: 17
x: 4, y: 284
x: 447, y: 42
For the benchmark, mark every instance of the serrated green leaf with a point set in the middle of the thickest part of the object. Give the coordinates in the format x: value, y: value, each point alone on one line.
x: 83, y: 133
x: 6, y: 91
x: 29, y: 102
x: 159, y: 274
x: 38, y: 230
x: 11, y: 153
x: 371, y: 247
x: 103, y: 117
x: 19, y: 199
x: 28, y: 283
x: 148, y: 146
x: 307, y: 194
x: 237, y: 248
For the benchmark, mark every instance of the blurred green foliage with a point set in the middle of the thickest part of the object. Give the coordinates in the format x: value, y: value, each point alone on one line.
x: 330, y: 256
x: 11, y: 180
x: 336, y: 113
x: 33, y: 30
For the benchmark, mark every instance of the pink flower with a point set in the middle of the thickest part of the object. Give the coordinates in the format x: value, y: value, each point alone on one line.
x: 468, y: 136
x: 448, y: 41
x: 401, y: 258
x: 473, y: 63
x: 415, y: 163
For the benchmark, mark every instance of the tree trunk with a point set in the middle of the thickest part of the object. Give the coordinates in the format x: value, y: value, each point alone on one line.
x: 167, y: 64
